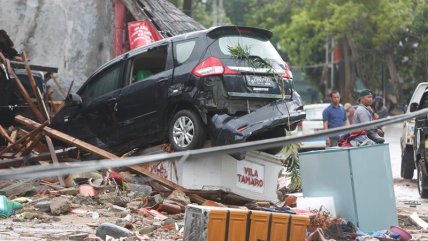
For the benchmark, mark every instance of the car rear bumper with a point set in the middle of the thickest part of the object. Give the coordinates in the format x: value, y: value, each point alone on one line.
x: 225, y: 129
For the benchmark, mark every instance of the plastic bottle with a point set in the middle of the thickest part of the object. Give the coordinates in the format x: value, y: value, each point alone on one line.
x: 7, y: 206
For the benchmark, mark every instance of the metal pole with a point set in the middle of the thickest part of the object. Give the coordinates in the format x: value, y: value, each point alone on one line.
x: 326, y: 62
x: 332, y: 65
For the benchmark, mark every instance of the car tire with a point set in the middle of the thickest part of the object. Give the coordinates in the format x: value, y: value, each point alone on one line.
x: 186, y: 131
x: 422, y: 182
x: 407, y: 163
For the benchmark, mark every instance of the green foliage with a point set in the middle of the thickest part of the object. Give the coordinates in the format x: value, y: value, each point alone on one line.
x: 239, y: 52
x: 292, y: 165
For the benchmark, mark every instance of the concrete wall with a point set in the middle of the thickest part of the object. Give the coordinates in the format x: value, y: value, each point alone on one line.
x: 74, y: 35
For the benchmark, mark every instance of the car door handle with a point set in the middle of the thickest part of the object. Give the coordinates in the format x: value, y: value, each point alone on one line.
x: 162, y: 81
x: 112, y: 102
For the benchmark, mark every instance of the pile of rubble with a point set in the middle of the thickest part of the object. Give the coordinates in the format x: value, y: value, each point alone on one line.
x: 116, y: 204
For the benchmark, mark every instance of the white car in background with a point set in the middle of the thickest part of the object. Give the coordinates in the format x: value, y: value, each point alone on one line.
x: 312, y: 124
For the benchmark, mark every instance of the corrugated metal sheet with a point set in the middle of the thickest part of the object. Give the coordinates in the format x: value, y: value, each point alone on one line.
x: 168, y: 19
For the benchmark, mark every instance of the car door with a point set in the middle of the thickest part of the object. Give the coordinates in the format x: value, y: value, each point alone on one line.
x: 142, y: 104
x: 99, y: 101
x: 408, y: 130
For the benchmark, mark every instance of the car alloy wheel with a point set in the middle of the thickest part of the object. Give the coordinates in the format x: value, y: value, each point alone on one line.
x: 183, y: 131
x: 186, y: 130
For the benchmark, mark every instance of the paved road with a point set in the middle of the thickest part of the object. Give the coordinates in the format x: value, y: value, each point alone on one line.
x: 405, y: 190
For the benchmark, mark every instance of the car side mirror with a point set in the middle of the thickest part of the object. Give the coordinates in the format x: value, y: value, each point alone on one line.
x: 414, y: 107
x: 75, y: 99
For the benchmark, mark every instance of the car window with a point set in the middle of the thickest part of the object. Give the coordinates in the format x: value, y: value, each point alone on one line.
x: 314, y: 113
x: 424, y: 101
x: 183, y: 50
x: 149, y: 63
x: 105, y: 82
x: 254, y: 46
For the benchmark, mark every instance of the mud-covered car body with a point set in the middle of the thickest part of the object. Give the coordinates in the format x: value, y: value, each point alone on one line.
x: 179, y: 87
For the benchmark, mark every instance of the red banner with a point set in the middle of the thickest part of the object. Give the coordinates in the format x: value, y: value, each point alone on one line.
x: 142, y: 33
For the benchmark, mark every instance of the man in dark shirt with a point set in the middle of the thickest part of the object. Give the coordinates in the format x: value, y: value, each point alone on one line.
x: 334, y: 116
x: 364, y: 113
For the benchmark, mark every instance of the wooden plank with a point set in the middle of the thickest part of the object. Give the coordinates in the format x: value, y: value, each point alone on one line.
x: 40, y: 147
x: 54, y: 158
x: 29, y: 73
x: 61, y: 154
x: 3, y: 133
x: 25, y: 138
x: 55, y: 80
x: 27, y: 98
x: 33, y: 144
x: 13, y: 137
x: 42, y: 106
x: 102, y: 153
x: 17, y: 64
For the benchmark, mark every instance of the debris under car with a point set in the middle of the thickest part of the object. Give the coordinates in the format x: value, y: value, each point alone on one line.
x: 227, y: 83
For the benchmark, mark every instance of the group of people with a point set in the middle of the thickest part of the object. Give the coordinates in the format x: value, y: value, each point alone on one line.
x: 368, y: 109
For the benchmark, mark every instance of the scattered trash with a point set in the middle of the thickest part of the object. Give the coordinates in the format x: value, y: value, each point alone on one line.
x: 112, y: 230
x: 95, y: 215
x: 87, y: 190
x: 414, y: 218
x: 8, y: 207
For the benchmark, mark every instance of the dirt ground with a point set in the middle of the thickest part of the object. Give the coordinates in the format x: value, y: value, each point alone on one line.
x: 408, y: 202
x: 87, y: 214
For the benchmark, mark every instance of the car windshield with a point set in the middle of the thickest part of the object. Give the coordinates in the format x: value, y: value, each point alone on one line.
x: 314, y: 114
x: 256, y: 47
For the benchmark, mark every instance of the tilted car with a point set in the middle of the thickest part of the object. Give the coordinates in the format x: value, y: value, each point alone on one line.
x: 227, y: 83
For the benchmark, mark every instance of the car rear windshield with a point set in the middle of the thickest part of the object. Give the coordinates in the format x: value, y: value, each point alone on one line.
x: 256, y: 47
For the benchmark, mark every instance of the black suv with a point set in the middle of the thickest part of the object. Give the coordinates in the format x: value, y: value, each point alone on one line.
x: 228, y: 83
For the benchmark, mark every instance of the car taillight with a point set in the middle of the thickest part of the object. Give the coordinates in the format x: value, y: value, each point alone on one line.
x: 287, y: 74
x: 300, y: 126
x: 212, y: 66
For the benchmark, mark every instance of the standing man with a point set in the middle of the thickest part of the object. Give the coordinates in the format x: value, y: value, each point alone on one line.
x: 364, y: 113
x: 334, y: 116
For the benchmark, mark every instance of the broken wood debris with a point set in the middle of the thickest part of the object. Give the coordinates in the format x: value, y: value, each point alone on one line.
x: 102, y: 153
x: 24, y: 139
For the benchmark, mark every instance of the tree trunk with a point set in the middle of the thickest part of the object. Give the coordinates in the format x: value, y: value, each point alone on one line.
x: 220, y: 12
x: 348, y: 81
x: 187, y: 7
x: 214, y: 14
x: 394, y: 80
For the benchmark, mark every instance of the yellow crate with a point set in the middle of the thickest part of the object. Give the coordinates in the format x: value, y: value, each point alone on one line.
x: 227, y: 224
